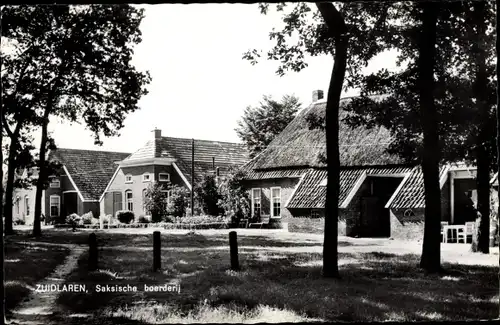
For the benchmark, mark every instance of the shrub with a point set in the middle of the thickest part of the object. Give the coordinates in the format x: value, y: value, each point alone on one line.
x: 144, y: 219
x: 179, y: 200
x: 234, y: 199
x: 155, y: 201
x: 168, y: 219
x: 195, y: 220
x: 74, y: 220
x: 88, y: 218
x: 125, y: 216
x: 208, y: 196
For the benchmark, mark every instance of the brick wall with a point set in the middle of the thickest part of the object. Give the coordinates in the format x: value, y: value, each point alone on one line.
x: 312, y: 225
x: 350, y: 215
x: 410, y: 227
x: 302, y: 222
x: 287, y: 186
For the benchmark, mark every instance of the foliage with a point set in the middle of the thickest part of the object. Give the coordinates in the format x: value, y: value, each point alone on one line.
x: 88, y: 218
x: 259, y: 125
x: 203, y: 219
x: 74, y: 220
x: 155, y: 201
x: 73, y: 63
x: 464, y: 92
x: 168, y: 219
x: 125, y: 216
x: 234, y: 198
x: 179, y: 201
x: 145, y: 219
x: 455, y: 103
x: 350, y: 31
x: 85, y: 53
x: 208, y: 196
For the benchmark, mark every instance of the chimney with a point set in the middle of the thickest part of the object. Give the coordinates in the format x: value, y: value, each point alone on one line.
x: 317, y: 95
x: 157, y: 133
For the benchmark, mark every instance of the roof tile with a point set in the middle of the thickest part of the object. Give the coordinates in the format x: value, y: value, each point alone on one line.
x: 90, y: 170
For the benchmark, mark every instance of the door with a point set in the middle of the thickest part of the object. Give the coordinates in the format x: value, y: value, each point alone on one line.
x: 373, y: 222
x: 70, y: 203
x: 117, y: 202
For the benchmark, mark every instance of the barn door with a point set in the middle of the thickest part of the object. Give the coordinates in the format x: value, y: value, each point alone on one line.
x: 369, y: 216
x: 117, y: 202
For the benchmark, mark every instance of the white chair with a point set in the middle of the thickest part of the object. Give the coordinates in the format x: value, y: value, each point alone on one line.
x: 443, y: 235
x: 469, y: 230
x: 461, y: 235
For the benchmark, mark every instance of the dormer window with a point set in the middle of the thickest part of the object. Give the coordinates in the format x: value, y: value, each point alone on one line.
x: 146, y: 177
x: 128, y: 178
x: 55, y: 182
x: 164, y: 177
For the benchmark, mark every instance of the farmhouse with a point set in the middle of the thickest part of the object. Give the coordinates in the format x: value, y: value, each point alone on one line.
x: 380, y: 195
x: 166, y: 160
x: 105, y: 182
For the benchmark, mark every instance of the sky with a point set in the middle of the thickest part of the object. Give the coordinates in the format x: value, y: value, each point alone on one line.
x: 200, y: 83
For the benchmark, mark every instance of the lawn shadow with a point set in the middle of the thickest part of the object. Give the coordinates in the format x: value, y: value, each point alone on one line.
x: 373, y: 286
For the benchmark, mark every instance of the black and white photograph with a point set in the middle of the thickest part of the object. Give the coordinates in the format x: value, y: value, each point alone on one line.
x: 286, y: 162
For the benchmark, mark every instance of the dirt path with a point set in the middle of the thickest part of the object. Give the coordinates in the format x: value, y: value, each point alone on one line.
x: 40, y: 306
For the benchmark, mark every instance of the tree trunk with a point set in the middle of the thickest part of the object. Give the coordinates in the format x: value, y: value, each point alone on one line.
x: 482, y: 116
x: 9, y: 188
x: 336, y: 26
x: 2, y: 273
x: 431, y: 254
x: 475, y: 233
x: 483, y: 200
x: 42, y: 175
x: 498, y: 123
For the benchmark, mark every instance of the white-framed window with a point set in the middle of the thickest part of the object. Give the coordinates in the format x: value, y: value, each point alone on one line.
x: 168, y: 194
x: 164, y: 177
x: 17, y: 204
x: 128, y: 178
x: 144, y: 200
x: 55, y: 205
x: 146, y: 177
x: 54, y: 182
x: 276, y: 202
x: 27, y: 205
x: 256, y: 202
x: 129, y: 203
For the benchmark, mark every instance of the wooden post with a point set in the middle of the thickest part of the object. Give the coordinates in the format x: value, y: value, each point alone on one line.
x: 192, y: 177
x: 92, y: 252
x: 233, y: 250
x: 156, y: 251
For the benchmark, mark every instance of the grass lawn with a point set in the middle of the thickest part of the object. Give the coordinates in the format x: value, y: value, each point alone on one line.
x: 25, y: 266
x: 280, y: 281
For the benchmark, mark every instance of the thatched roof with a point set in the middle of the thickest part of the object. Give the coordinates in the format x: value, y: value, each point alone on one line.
x: 300, y: 146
